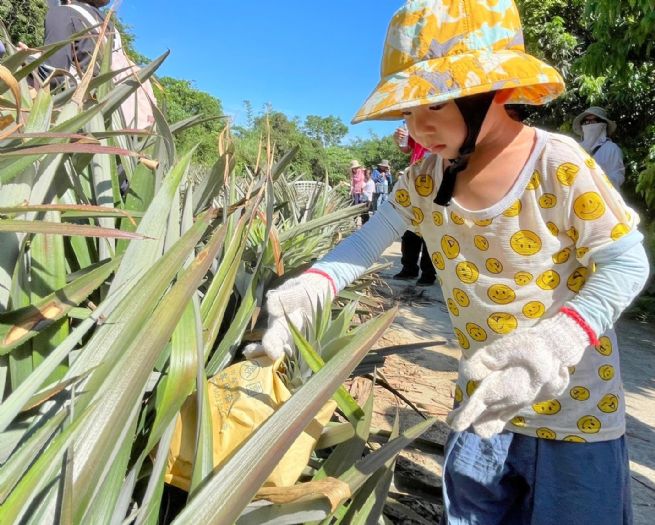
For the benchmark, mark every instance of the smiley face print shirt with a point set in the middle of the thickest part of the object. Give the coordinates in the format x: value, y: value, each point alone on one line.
x: 506, y: 267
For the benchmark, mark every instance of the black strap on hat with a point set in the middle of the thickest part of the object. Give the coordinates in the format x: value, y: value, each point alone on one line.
x: 474, y: 110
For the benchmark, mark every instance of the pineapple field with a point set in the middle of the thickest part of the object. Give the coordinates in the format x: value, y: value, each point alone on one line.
x: 129, y: 280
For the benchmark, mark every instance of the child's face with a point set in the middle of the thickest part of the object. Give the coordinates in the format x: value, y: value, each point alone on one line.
x: 440, y: 128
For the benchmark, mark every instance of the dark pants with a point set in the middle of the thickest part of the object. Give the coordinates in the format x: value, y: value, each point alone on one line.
x: 411, y: 247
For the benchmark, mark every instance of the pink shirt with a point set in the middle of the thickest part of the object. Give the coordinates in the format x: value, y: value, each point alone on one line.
x: 357, y: 181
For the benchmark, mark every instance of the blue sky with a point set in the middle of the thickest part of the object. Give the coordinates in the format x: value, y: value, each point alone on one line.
x: 304, y: 58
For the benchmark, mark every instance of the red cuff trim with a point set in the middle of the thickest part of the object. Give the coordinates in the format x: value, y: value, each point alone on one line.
x: 593, y: 338
x: 327, y: 276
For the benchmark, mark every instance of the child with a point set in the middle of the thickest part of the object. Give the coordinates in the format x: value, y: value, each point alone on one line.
x: 537, y: 256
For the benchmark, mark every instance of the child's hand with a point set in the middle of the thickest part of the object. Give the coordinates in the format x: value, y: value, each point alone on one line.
x: 297, y: 298
x: 517, y: 371
x: 400, y: 136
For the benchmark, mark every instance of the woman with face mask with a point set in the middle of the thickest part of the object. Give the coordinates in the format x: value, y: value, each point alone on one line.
x: 595, y: 127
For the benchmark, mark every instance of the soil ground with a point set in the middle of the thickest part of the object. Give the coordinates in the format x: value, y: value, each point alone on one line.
x: 426, y: 377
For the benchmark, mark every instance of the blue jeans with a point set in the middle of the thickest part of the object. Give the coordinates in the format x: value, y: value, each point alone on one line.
x: 512, y: 479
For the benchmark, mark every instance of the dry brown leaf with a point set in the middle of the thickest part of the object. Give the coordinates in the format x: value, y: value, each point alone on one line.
x: 334, y: 490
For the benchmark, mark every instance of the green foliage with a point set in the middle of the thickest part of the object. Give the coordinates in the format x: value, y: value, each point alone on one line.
x: 180, y: 100
x: 328, y: 131
x: 24, y: 20
x: 375, y: 149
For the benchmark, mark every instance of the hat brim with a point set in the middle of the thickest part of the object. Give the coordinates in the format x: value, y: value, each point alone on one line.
x: 577, y: 122
x: 447, y: 78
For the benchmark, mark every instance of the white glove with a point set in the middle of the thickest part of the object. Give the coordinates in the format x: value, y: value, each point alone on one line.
x: 518, y: 370
x: 298, y: 298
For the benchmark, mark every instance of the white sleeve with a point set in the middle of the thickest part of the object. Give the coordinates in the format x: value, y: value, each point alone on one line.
x: 621, y: 272
x: 352, y: 257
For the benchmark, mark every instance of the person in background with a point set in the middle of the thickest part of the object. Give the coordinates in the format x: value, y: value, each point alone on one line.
x: 595, y: 128
x: 61, y: 22
x: 414, y: 252
x: 356, y: 181
x: 368, y: 192
x: 382, y: 180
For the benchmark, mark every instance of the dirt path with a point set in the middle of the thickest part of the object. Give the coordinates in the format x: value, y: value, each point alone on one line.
x: 426, y: 377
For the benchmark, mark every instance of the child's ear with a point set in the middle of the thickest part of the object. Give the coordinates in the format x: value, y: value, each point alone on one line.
x: 503, y: 95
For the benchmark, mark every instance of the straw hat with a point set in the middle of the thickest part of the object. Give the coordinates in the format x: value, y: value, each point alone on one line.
x: 596, y: 111
x: 384, y: 164
x: 439, y: 50
x: 354, y: 164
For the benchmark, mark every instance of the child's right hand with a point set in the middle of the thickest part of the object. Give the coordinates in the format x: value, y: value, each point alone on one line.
x: 298, y: 299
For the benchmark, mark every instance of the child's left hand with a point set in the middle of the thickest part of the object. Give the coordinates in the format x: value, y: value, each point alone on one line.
x: 517, y: 371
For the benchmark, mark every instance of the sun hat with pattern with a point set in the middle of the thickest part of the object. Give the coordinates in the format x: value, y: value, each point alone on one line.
x: 439, y: 50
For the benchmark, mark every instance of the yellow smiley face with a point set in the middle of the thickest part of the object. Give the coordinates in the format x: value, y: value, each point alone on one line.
x: 424, y: 185
x: 590, y: 162
x: 581, y: 252
x: 483, y: 222
x: 502, y: 323
x: 547, y: 408
x: 471, y: 387
x: 518, y: 421
x: 562, y: 256
x: 609, y: 404
x: 402, y: 198
x: 452, y: 306
x: 567, y: 173
x: 525, y: 242
x: 467, y: 272
x: 552, y: 228
x: 450, y: 246
x: 476, y: 332
x: 438, y: 261
x: 547, y: 201
x: 589, y: 206
x: 522, y: 278
x: 501, y: 294
x: 546, y: 433
x: 577, y: 279
x: 579, y: 393
x: 535, y: 181
x: 418, y: 216
x: 619, y: 231
x: 514, y: 209
x: 481, y: 243
x: 534, y: 309
x: 459, y: 395
x: 437, y: 218
x: 605, y: 346
x: 573, y: 234
x: 461, y: 297
x: 456, y: 218
x: 574, y: 439
x: 589, y: 424
x: 606, y: 372
x: 461, y: 339
x: 494, y: 265
x: 549, y: 280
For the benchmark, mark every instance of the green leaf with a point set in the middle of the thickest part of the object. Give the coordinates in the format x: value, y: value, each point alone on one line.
x: 230, y: 489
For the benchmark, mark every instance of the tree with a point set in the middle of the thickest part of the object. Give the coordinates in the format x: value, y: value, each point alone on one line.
x: 180, y: 100
x: 329, y: 131
x: 24, y: 20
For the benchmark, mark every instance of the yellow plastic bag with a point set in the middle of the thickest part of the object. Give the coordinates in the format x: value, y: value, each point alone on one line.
x: 242, y: 397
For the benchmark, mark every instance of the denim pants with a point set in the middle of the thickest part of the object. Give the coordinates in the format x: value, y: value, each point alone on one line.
x: 513, y: 479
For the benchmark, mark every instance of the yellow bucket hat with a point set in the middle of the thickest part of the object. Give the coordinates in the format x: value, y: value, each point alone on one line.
x: 439, y: 50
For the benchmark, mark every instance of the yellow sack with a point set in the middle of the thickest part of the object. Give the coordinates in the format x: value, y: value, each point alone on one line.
x: 242, y: 397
